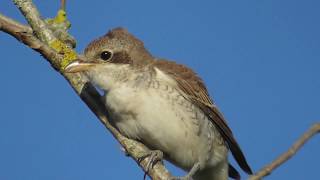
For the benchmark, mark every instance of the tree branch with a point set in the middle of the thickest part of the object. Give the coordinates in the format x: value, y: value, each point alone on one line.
x: 39, y: 37
x: 32, y: 15
x: 63, y: 5
x: 25, y: 35
x: 287, y: 155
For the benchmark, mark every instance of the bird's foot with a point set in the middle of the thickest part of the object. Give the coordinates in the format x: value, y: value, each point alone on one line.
x: 154, y: 157
x: 193, y: 171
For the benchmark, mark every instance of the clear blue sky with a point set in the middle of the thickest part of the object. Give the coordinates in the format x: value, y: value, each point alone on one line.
x: 260, y: 60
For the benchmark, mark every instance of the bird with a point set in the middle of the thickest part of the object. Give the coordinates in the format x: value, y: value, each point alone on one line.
x: 162, y: 104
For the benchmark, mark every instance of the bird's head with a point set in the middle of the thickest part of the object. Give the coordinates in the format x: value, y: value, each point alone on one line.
x: 110, y: 58
x: 114, y: 50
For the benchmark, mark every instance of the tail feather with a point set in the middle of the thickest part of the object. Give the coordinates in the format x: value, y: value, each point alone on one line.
x: 233, y: 173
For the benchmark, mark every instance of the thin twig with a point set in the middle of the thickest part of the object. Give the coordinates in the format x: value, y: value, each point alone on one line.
x: 25, y: 35
x: 32, y: 15
x: 7, y: 22
x: 63, y: 5
x: 288, y: 154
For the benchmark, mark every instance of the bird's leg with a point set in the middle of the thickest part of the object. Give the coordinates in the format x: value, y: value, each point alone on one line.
x: 154, y: 157
x: 191, y: 173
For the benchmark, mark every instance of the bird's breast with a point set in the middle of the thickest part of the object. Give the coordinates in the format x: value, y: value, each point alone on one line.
x: 160, y: 117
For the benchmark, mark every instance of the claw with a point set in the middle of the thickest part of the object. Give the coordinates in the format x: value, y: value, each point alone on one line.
x: 154, y: 157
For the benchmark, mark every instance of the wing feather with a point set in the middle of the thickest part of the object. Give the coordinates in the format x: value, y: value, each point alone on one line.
x: 195, y: 90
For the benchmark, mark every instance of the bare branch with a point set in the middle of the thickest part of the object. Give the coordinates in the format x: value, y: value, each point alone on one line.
x: 39, y: 39
x: 32, y: 15
x: 63, y: 5
x: 287, y: 155
x: 8, y: 25
x: 25, y: 35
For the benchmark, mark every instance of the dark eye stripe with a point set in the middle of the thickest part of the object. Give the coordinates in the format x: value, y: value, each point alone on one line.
x: 121, y: 58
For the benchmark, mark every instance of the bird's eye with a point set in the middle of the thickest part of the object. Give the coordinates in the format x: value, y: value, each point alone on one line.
x: 106, y: 55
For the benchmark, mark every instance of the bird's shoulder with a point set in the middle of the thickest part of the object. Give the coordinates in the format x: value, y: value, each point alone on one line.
x: 182, y: 74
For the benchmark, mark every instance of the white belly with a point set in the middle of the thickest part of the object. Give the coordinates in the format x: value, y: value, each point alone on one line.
x: 162, y: 119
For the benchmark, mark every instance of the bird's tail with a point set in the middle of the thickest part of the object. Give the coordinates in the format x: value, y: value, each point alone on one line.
x: 233, y: 173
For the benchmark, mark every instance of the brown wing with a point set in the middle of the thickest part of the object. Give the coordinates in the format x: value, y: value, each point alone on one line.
x: 194, y: 87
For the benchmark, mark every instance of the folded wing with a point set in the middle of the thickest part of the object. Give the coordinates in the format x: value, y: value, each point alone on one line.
x: 195, y: 90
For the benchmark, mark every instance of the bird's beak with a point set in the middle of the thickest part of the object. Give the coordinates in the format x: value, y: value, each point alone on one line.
x: 79, y: 65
